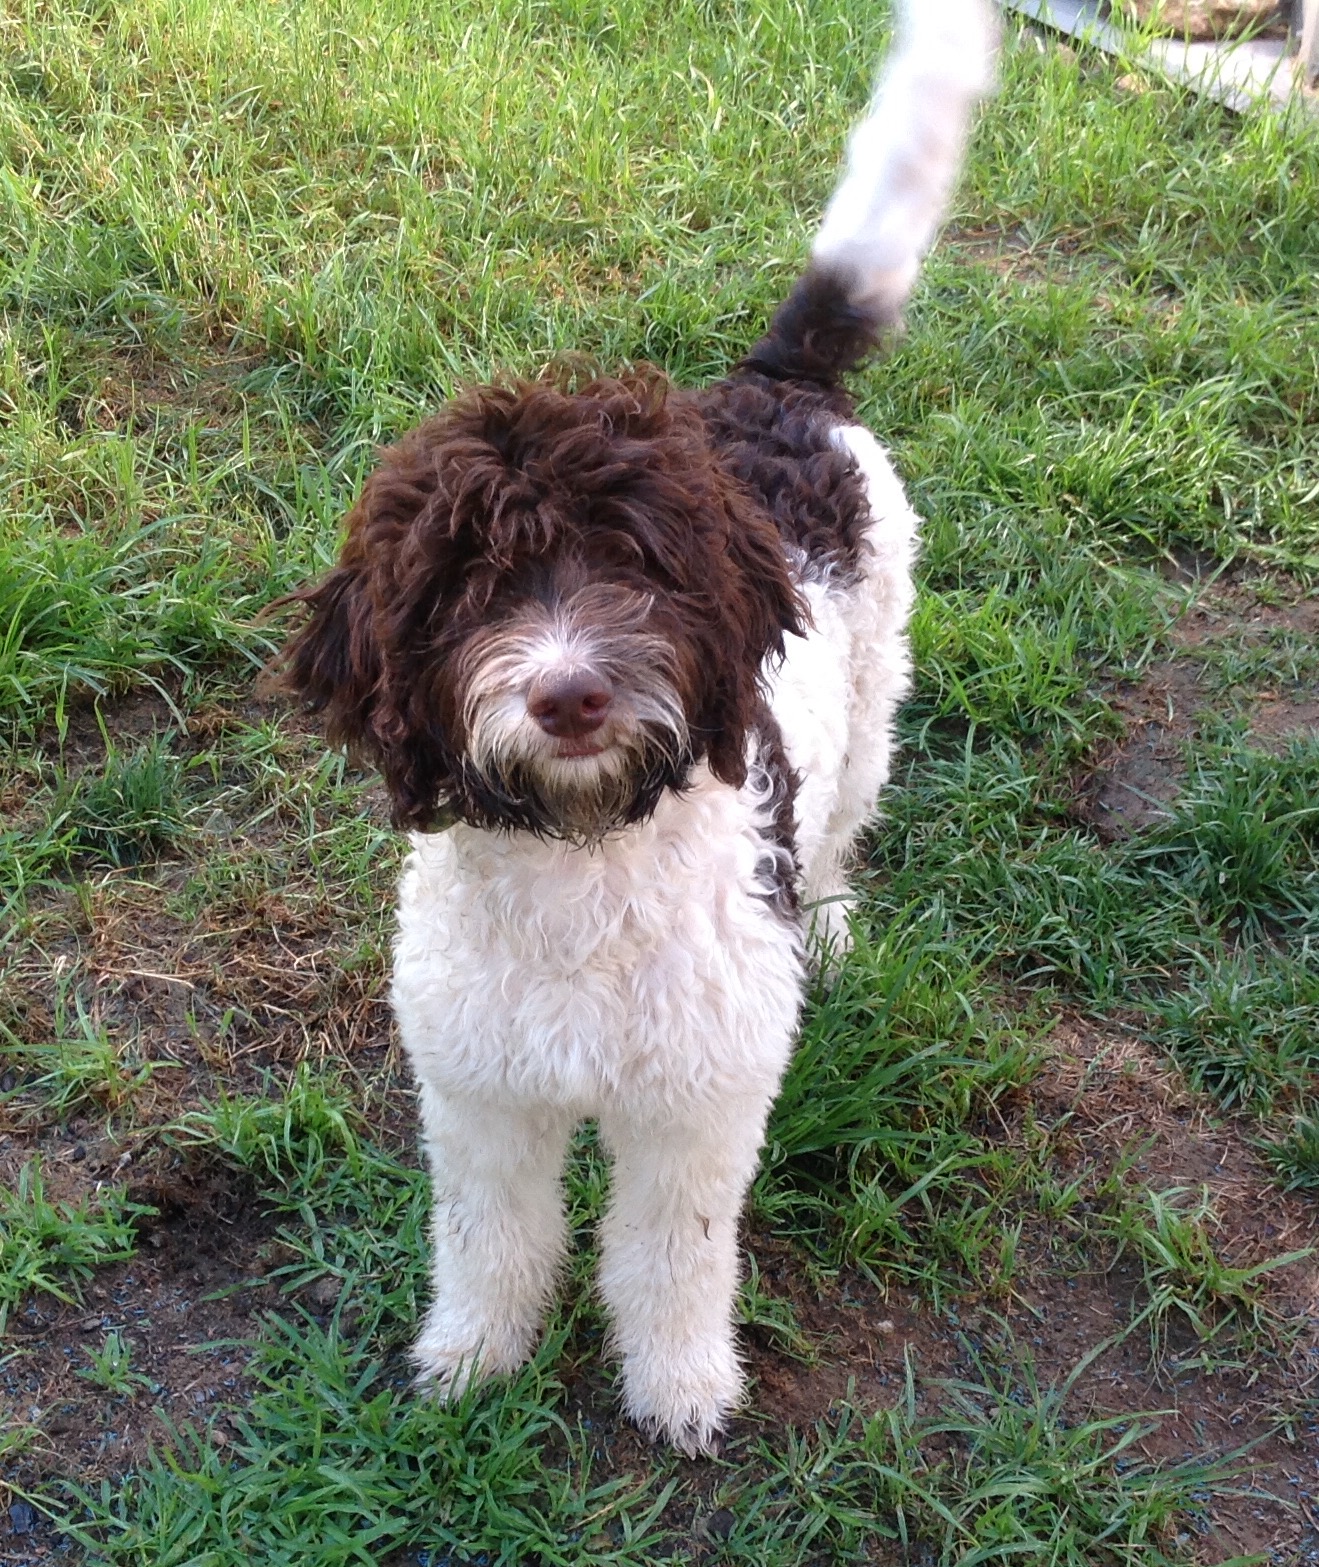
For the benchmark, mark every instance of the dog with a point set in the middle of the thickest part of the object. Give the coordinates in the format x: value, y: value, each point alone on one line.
x: 628, y: 657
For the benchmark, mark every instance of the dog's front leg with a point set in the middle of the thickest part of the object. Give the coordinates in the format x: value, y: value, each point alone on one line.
x: 669, y: 1268
x: 498, y: 1234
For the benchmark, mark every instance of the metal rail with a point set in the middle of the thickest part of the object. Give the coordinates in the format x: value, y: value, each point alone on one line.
x: 1237, y: 72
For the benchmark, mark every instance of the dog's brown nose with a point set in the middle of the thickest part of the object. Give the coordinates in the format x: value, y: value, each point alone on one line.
x: 569, y: 706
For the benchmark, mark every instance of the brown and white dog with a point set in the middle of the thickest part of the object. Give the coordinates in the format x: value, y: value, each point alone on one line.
x: 628, y: 658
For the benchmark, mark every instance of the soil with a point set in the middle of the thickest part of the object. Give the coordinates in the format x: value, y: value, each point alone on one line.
x: 183, y: 1306
x: 196, y: 1278
x: 1126, y: 787
x: 215, y: 988
x: 1133, y: 781
x: 1106, y: 1094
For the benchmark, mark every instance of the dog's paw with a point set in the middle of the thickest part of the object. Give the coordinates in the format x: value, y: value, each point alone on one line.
x: 684, y: 1398
x: 444, y: 1376
x: 449, y: 1362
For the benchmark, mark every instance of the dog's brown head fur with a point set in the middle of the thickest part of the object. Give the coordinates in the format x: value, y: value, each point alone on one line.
x: 550, y: 604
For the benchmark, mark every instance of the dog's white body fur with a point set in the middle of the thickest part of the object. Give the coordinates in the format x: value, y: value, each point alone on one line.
x: 646, y: 981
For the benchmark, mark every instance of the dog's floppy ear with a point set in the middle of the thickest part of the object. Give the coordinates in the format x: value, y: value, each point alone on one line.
x: 755, y: 606
x: 359, y: 660
x: 333, y: 661
x: 719, y: 552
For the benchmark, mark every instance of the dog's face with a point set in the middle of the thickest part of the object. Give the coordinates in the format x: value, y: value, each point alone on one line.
x: 549, y: 606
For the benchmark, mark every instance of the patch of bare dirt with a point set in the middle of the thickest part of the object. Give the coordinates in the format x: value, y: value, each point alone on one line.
x: 861, y: 1335
x: 1233, y: 608
x: 224, y: 957
x: 259, y: 967
x: 196, y: 1282
x: 1133, y: 780
x: 143, y: 387
x: 1276, y: 718
x: 1128, y: 784
x: 134, y: 718
x: 1117, y: 1090
x: 1101, y: 1096
x: 1009, y: 252
x: 274, y: 976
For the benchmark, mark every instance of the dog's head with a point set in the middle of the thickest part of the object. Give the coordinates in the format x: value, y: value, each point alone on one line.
x: 549, y: 606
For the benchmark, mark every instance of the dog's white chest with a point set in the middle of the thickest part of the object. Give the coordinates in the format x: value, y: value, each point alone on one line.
x: 650, y: 968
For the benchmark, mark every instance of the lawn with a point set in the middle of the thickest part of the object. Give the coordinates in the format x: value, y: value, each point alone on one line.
x: 1030, y: 1266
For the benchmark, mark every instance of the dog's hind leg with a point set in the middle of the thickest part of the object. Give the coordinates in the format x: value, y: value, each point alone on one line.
x: 669, y: 1269
x: 498, y: 1235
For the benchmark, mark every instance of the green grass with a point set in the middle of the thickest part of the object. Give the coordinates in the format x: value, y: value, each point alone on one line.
x: 111, y: 1367
x: 900, y: 1192
x: 1184, y: 1275
x: 241, y: 244
x: 134, y: 808
x: 1244, y: 837
x: 1026, y: 1478
x: 1296, y: 1155
x: 53, y: 1248
x: 1247, y: 1028
x: 82, y: 1066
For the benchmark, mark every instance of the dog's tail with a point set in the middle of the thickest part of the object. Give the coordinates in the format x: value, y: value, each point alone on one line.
x: 902, y: 160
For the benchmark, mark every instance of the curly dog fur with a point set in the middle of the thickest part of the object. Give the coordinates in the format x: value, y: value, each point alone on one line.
x: 628, y: 657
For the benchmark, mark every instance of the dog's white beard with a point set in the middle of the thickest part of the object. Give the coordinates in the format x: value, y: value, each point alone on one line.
x: 579, y: 799
x: 514, y: 772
